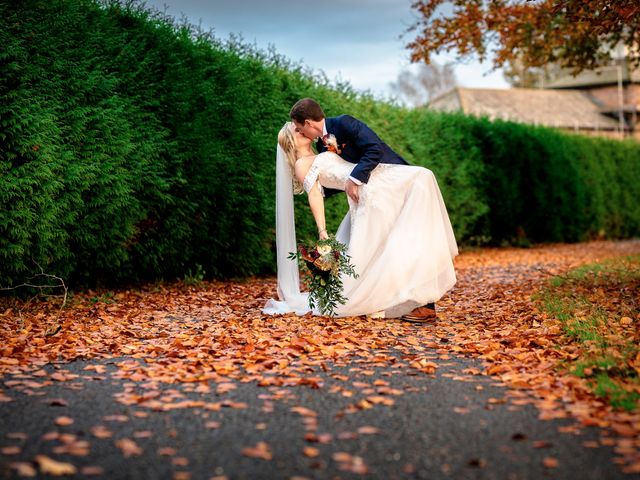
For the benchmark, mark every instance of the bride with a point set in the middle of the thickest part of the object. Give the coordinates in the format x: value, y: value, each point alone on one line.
x: 398, y: 233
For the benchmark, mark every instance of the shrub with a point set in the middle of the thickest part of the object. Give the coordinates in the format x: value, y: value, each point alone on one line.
x: 133, y: 148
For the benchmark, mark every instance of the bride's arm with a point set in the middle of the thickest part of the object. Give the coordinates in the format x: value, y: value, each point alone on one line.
x: 316, y: 200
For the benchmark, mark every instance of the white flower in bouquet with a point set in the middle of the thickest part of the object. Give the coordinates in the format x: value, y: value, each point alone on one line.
x: 324, y: 249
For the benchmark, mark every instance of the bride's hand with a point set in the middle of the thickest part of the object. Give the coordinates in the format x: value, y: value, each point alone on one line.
x: 323, y: 235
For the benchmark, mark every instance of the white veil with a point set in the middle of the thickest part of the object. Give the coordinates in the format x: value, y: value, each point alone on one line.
x: 291, y: 300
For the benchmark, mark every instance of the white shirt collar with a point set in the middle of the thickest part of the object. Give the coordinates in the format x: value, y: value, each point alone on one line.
x: 324, y: 128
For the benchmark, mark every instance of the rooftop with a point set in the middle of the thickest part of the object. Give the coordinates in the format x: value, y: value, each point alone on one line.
x: 555, y: 108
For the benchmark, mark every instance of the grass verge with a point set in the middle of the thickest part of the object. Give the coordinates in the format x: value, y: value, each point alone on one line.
x: 598, y: 306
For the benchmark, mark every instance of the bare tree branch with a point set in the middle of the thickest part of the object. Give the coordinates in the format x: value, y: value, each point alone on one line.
x: 417, y: 89
x: 41, y: 287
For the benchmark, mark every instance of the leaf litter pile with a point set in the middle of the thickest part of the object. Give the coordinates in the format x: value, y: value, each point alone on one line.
x: 211, y: 337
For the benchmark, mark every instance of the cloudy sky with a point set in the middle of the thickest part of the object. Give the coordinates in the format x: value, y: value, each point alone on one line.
x: 360, y: 41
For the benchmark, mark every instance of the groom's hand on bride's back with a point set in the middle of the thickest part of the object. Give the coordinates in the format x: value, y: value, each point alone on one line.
x: 352, y: 190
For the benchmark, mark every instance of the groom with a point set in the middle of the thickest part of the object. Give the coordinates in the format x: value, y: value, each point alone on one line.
x: 357, y: 144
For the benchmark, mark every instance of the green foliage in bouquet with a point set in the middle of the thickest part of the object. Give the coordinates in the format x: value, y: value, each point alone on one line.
x: 325, y: 262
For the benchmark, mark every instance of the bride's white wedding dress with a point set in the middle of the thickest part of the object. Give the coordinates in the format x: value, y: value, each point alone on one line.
x: 399, y: 238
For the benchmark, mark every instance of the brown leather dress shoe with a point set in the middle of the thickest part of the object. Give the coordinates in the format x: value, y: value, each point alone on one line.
x: 424, y: 314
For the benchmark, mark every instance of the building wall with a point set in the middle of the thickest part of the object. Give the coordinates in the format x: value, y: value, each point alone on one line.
x: 608, y: 95
x: 633, y: 94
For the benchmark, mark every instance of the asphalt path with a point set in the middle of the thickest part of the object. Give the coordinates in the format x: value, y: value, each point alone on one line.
x: 448, y: 425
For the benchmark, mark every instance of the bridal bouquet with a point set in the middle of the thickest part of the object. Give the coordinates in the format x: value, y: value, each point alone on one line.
x: 324, y: 262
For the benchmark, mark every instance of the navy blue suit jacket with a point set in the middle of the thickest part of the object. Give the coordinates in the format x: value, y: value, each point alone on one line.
x: 359, y: 145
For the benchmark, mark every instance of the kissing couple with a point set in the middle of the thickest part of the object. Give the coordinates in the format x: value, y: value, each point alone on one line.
x: 397, y: 229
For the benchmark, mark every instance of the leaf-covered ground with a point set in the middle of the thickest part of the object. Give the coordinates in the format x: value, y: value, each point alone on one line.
x: 180, y: 347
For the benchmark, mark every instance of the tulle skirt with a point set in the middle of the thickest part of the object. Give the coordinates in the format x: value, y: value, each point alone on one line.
x: 400, y: 241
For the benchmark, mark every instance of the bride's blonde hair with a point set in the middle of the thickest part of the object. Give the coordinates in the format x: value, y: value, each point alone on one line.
x: 287, y: 142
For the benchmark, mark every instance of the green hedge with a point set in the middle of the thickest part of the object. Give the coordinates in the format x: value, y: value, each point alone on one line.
x: 133, y: 148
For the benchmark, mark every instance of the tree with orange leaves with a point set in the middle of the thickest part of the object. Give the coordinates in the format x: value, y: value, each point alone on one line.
x: 574, y: 34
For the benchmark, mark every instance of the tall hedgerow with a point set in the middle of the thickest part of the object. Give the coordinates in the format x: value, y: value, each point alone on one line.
x: 133, y: 147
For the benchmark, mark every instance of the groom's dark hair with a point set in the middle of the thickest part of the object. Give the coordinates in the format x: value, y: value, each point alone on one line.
x: 306, y: 109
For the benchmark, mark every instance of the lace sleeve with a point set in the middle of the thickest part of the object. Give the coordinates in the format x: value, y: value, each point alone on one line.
x: 311, y: 178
